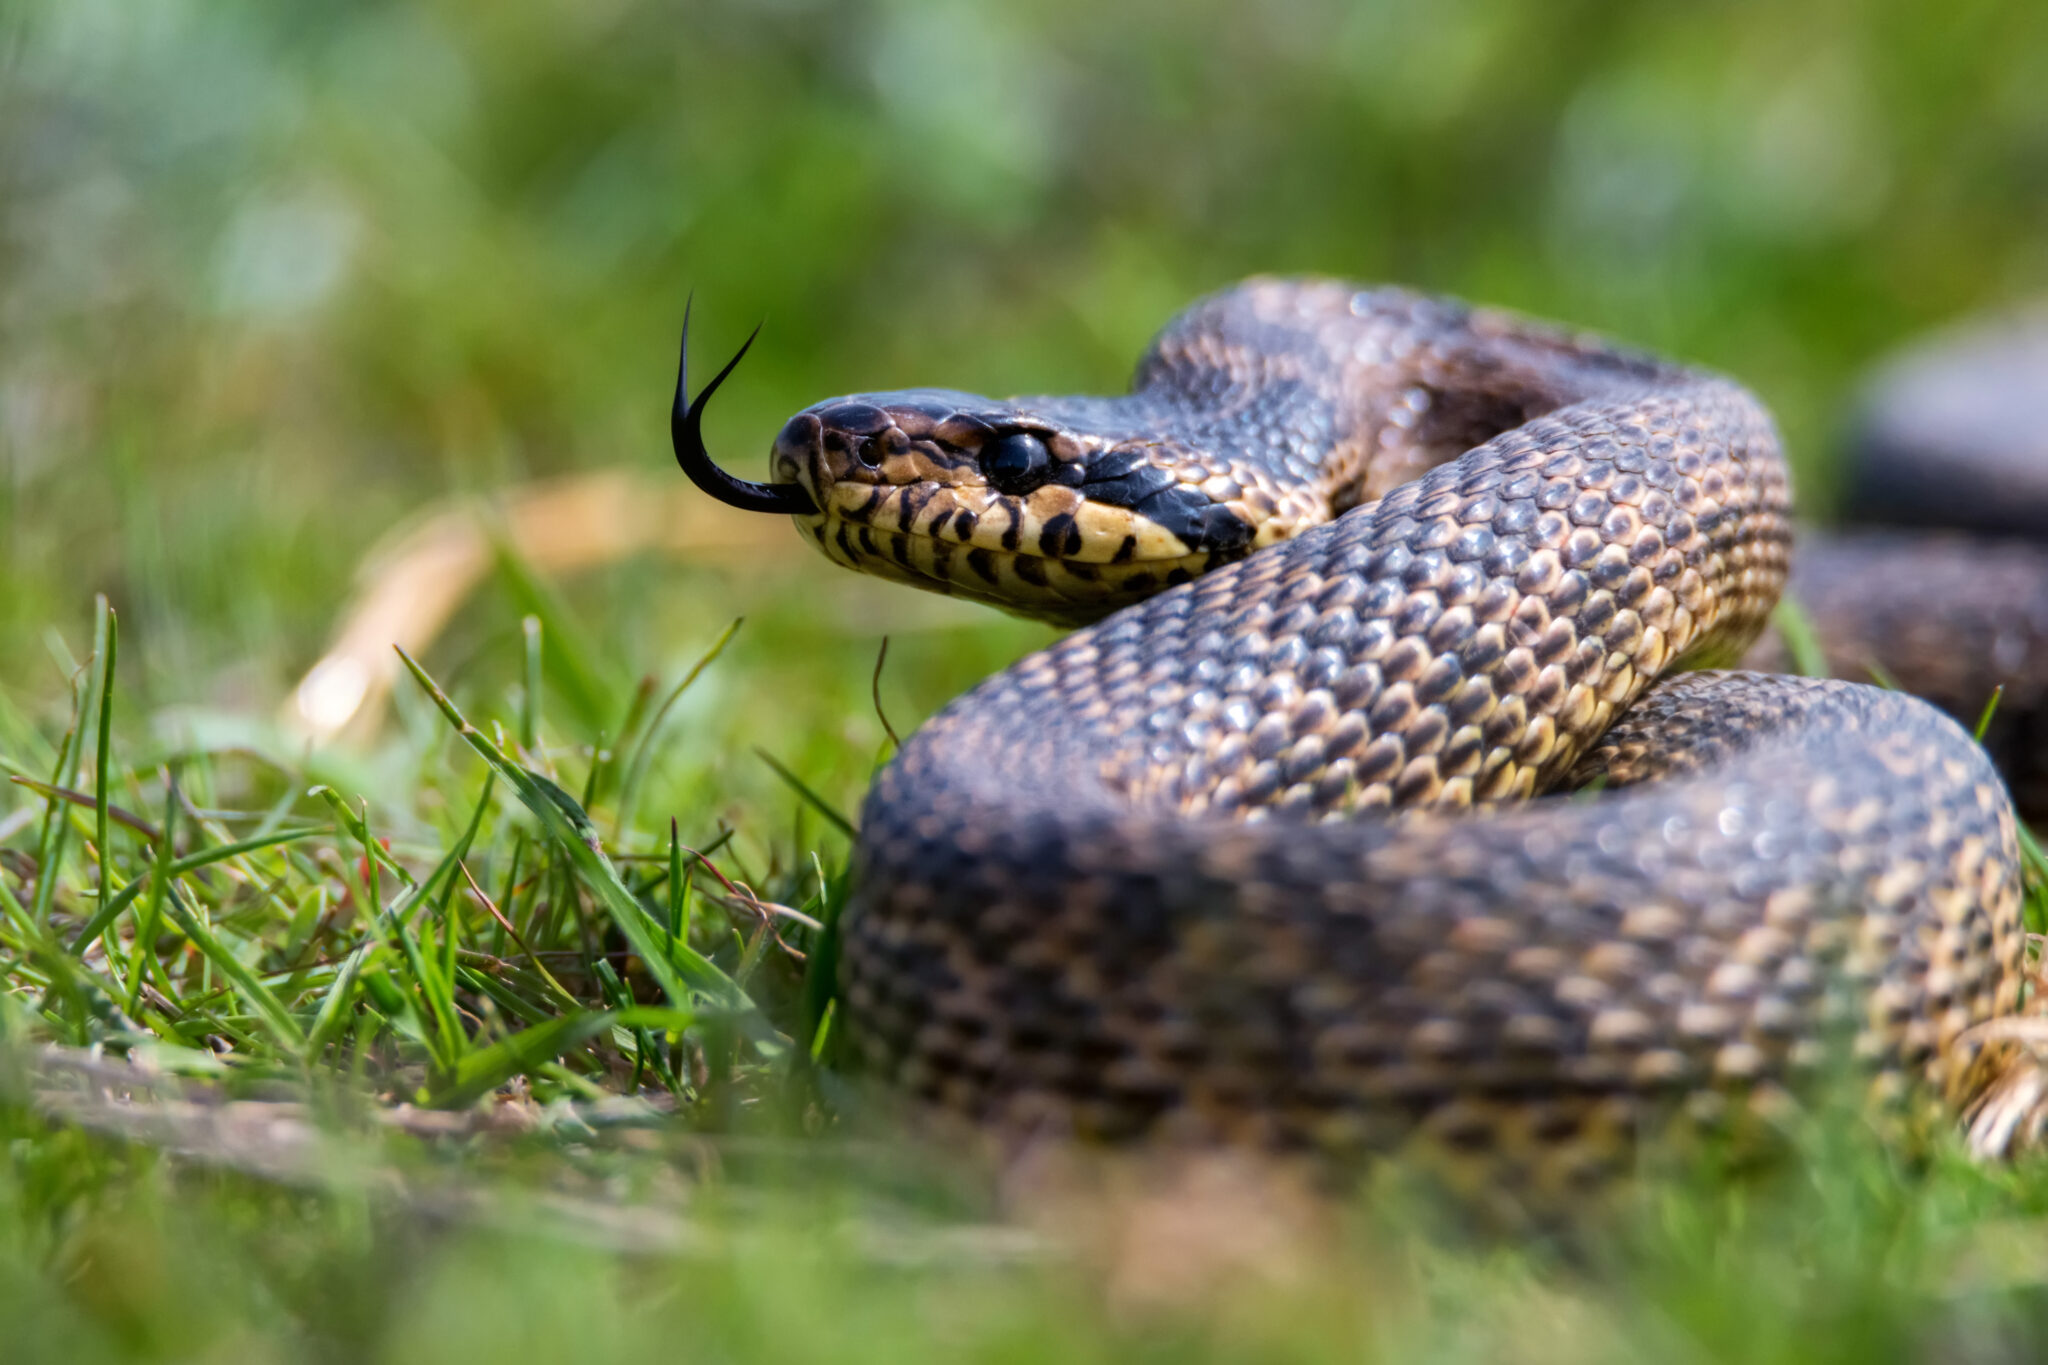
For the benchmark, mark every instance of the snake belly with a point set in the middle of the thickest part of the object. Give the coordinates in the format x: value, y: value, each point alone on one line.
x: 1298, y: 848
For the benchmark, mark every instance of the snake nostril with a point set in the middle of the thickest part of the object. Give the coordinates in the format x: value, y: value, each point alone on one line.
x: 799, y: 435
x: 795, y: 444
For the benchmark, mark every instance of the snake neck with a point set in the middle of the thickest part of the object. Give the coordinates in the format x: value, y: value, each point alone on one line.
x: 1353, y: 392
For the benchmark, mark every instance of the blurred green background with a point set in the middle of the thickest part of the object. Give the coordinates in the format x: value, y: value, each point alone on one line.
x: 274, y: 276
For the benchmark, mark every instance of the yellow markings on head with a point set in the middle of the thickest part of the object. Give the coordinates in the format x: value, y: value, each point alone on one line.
x: 1008, y: 525
x: 1103, y: 531
x: 1055, y: 554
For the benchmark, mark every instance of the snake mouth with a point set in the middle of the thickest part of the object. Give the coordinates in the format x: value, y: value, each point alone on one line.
x: 1053, y: 523
x: 1065, y: 591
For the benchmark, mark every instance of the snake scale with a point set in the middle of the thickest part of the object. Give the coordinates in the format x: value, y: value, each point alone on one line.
x: 1391, y: 791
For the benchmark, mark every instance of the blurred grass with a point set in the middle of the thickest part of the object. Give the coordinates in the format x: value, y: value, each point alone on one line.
x: 273, y: 277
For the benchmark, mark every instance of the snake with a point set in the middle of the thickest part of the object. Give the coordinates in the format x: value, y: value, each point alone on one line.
x: 1395, y: 789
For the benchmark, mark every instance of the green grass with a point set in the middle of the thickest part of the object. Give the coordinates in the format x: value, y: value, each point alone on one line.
x: 427, y: 948
x: 286, y: 1070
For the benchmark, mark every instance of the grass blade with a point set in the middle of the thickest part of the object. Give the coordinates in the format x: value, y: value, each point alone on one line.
x: 350, y: 821
x: 1990, y: 710
x: 101, y: 833
x: 234, y: 969
x: 643, y: 752
x: 677, y: 967
x: 565, y: 650
x: 1802, y: 642
x: 56, y: 832
x: 802, y: 789
x: 87, y: 801
x: 158, y: 882
x: 487, y: 1068
x: 678, y: 887
x: 335, y: 1004
x: 530, y: 703
x: 169, y: 868
x: 2034, y: 864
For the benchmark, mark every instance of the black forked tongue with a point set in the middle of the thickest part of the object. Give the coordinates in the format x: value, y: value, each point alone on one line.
x: 686, y: 431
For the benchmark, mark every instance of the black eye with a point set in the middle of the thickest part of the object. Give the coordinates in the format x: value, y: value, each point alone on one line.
x: 1015, y: 464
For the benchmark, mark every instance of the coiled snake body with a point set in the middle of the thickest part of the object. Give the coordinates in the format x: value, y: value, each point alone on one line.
x: 1294, y: 846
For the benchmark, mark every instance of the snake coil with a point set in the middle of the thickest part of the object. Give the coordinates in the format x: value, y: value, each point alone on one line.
x: 1284, y: 847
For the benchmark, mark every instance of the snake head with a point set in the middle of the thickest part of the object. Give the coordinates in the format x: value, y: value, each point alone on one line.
x: 1059, y: 509
x: 1041, y: 508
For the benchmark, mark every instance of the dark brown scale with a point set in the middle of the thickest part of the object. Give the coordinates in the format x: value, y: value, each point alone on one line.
x: 1957, y: 617
x: 1140, y: 883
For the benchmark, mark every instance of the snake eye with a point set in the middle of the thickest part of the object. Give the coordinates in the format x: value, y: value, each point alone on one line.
x: 1015, y: 464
